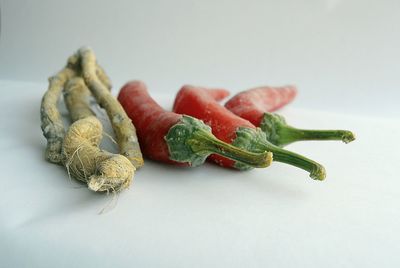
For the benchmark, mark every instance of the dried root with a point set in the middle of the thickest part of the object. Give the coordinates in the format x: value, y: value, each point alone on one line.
x: 103, y: 77
x: 52, y: 125
x: 124, y: 130
x: 101, y: 170
x: 78, y: 149
x: 76, y: 97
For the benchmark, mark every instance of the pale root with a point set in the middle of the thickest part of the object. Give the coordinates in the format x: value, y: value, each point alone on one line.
x: 51, y: 122
x: 123, y: 128
x: 78, y: 149
x: 101, y: 170
x: 103, y: 77
x: 76, y: 98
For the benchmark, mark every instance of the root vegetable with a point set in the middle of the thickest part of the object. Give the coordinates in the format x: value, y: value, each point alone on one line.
x: 103, y: 77
x: 78, y: 148
x: 124, y: 130
x: 101, y: 170
x: 51, y: 122
x: 52, y: 125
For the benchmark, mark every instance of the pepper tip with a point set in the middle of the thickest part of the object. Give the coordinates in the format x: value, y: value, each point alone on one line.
x: 318, y: 173
x: 348, y: 136
x: 267, y: 159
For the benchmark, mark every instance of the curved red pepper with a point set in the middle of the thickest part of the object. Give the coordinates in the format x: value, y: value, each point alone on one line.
x: 175, y: 139
x: 253, y: 103
x: 256, y: 104
x: 226, y: 126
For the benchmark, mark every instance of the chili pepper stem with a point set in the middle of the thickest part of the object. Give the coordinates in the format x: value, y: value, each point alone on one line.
x: 280, y: 133
x: 317, y: 171
x: 203, y: 141
x: 291, y: 134
x: 190, y: 140
x: 255, y: 140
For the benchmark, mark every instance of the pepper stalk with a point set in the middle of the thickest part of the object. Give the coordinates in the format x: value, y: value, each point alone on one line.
x: 190, y: 140
x: 279, y: 133
x: 255, y: 140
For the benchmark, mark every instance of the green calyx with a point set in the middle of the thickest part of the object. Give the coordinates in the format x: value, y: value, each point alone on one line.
x: 191, y: 141
x: 279, y: 133
x: 250, y: 140
x: 255, y: 140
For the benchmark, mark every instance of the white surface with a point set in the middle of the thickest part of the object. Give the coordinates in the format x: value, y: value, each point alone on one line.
x: 206, y: 216
x: 336, y: 49
x: 343, y: 55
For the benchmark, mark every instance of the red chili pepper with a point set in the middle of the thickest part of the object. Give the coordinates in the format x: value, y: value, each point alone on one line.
x: 218, y: 93
x: 256, y: 104
x: 226, y: 126
x: 175, y: 139
x: 253, y: 103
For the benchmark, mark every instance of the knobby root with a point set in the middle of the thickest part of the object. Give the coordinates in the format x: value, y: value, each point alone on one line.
x: 78, y: 148
x: 123, y: 128
x: 101, y: 170
x: 51, y: 122
x: 52, y: 125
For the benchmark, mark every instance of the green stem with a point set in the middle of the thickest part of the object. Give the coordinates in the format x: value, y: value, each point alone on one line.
x: 280, y: 133
x: 202, y: 141
x: 190, y: 140
x: 255, y: 140
x: 316, y: 170
x: 291, y: 134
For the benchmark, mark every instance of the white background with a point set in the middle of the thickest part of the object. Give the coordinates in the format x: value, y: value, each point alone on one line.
x: 341, y: 51
x: 343, y: 56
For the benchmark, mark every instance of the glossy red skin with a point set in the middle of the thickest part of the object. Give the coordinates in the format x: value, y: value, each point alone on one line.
x: 152, y: 122
x: 253, y: 103
x: 199, y: 103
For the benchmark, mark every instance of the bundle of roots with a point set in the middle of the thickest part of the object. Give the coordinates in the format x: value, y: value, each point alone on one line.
x: 77, y: 148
